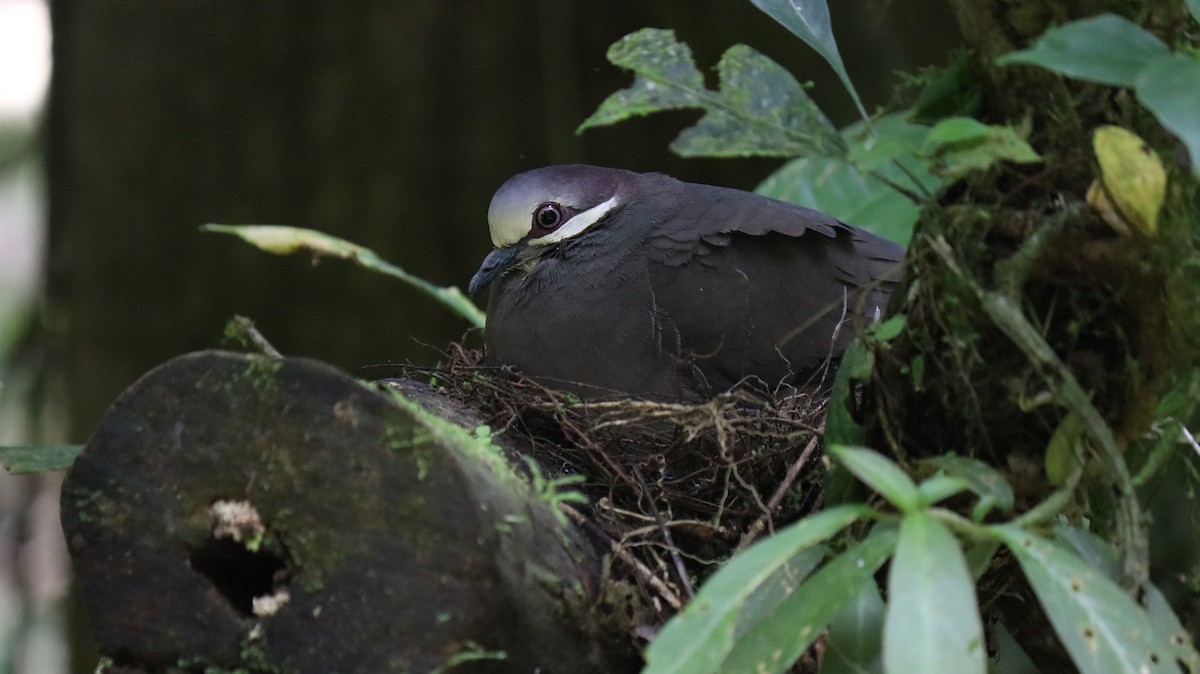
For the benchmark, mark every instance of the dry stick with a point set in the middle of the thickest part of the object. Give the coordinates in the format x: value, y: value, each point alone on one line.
x: 684, y: 578
x: 641, y: 570
x: 777, y: 498
x: 251, y: 333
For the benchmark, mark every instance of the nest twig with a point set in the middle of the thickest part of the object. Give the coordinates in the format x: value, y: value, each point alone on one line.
x: 676, y: 487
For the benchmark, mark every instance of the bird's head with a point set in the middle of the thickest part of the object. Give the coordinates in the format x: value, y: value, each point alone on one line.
x: 535, y: 211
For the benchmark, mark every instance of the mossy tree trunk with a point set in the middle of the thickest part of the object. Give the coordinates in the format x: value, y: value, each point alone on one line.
x: 275, y: 515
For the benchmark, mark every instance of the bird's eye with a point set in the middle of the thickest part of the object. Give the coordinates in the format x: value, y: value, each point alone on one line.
x: 547, y: 217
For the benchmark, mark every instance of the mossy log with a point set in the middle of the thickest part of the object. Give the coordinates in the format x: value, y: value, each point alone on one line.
x: 238, y: 512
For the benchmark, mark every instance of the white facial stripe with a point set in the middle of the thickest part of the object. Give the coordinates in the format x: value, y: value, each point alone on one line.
x: 508, y: 230
x: 578, y: 224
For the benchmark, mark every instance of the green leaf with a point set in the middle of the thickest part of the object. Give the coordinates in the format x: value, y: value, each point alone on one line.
x: 698, y: 639
x: 1132, y: 184
x: 855, y: 641
x: 953, y: 91
x: 759, y: 109
x: 889, y: 329
x: 1096, y: 552
x: 1102, y: 628
x: 892, y: 138
x: 986, y: 482
x: 1194, y: 7
x: 779, y: 641
x: 959, y: 145
x: 666, y: 77
x: 809, y: 20
x: 837, y: 188
x: 980, y: 555
x: 858, y: 189
x: 879, y: 473
x: 1170, y: 88
x: 1064, y: 452
x: 18, y: 459
x: 840, y: 425
x: 932, y: 620
x: 940, y: 487
x: 1010, y: 658
x: 1164, y: 621
x: 284, y: 240
x: 1107, y: 49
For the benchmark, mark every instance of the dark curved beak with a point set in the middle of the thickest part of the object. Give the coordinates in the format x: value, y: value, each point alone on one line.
x: 494, y: 265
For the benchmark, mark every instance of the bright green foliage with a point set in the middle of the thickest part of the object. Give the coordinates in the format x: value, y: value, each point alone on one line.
x: 859, y: 188
x: 939, y: 488
x: 1115, y: 51
x: 959, y: 145
x: 18, y: 459
x: 778, y: 641
x: 1102, y: 628
x: 759, y: 109
x: 809, y: 20
x: 837, y: 188
x: 932, y: 621
x: 881, y: 474
x: 1170, y: 88
x: 986, y: 482
x: 743, y: 595
x: 1107, y: 49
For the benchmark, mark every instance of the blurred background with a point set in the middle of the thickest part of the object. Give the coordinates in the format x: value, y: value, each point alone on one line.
x: 385, y: 122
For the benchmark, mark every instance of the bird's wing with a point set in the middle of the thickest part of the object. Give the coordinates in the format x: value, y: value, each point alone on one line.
x: 760, y: 287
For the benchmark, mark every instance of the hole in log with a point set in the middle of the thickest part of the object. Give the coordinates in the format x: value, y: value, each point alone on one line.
x: 241, y: 576
x: 252, y: 580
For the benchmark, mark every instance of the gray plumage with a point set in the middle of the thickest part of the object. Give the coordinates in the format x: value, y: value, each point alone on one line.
x: 675, y: 290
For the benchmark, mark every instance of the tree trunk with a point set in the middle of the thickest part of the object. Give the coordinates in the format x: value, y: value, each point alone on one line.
x: 240, y: 511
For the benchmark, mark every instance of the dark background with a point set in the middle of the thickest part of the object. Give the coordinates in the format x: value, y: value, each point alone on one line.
x: 384, y: 122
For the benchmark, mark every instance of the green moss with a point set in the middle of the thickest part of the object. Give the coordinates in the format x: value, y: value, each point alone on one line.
x: 254, y: 660
x: 260, y: 373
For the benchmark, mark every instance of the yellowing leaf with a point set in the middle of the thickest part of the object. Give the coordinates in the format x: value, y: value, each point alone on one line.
x: 1131, y: 177
x: 1098, y: 198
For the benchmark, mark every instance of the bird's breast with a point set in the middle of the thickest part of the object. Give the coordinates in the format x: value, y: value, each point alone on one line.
x: 594, y: 333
